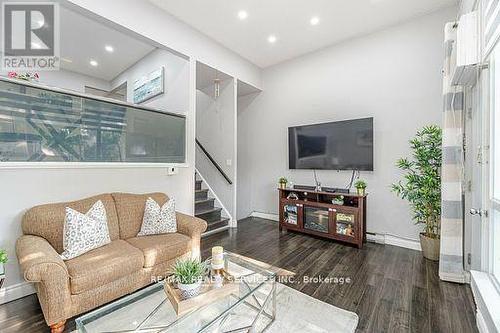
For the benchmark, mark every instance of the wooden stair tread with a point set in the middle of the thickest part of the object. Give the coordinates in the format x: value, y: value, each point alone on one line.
x: 223, y: 219
x: 203, y: 200
x: 207, y: 211
x: 224, y: 222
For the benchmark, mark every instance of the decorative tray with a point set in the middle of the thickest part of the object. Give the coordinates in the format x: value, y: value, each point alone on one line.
x: 209, y: 293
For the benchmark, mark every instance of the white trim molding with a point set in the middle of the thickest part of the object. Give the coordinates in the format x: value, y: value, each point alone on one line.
x: 389, y: 239
x: 16, y: 291
x: 232, y: 222
x: 87, y: 165
x: 487, y: 298
x: 267, y: 216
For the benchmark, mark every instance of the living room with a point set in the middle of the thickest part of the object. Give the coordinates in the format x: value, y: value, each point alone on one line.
x: 192, y: 166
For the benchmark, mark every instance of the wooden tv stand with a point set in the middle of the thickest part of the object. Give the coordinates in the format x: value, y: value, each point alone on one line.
x: 313, y: 213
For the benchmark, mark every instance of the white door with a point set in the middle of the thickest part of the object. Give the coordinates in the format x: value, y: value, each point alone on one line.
x: 486, y: 212
x: 474, y: 176
x: 491, y: 239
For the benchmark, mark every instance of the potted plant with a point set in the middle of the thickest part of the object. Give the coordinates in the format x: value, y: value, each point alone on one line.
x: 338, y: 200
x: 3, y: 261
x: 282, y: 181
x: 189, y: 274
x: 360, y: 186
x: 421, y: 186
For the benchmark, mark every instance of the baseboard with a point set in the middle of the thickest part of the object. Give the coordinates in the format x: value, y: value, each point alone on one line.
x: 481, y: 323
x: 408, y: 243
x: 16, y: 291
x: 394, y: 240
x: 388, y: 239
x: 267, y: 216
x: 375, y: 238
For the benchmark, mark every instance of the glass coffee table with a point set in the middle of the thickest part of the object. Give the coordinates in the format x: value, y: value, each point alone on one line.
x: 252, y: 309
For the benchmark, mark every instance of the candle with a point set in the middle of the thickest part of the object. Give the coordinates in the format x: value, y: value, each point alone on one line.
x: 217, y: 257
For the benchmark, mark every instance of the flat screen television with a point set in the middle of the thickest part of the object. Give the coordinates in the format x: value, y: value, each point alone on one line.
x: 339, y: 145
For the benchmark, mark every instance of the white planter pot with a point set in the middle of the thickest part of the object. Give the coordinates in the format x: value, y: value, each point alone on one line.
x: 189, y: 290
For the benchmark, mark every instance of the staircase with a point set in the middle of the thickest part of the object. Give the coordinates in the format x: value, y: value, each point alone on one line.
x: 205, y: 207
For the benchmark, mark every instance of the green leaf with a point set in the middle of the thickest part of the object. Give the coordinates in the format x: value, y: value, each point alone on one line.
x: 421, y: 182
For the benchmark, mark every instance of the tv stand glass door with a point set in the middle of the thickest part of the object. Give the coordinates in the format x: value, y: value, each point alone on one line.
x: 317, y: 219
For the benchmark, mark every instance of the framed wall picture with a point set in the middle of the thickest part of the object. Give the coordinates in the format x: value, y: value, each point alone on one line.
x: 149, y: 86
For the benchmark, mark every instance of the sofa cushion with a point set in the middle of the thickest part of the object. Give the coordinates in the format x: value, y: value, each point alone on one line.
x: 84, y: 232
x: 47, y: 221
x: 161, y: 248
x: 130, y: 210
x: 158, y: 219
x: 103, y: 265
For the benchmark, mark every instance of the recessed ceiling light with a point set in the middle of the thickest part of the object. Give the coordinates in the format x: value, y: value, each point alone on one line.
x: 271, y: 39
x: 109, y: 48
x: 94, y: 63
x: 314, y: 20
x: 242, y: 15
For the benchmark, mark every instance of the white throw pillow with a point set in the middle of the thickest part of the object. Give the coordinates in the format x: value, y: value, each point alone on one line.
x: 158, y: 220
x: 84, y: 232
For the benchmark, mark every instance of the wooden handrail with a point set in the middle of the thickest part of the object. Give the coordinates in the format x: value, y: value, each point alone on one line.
x: 217, y: 166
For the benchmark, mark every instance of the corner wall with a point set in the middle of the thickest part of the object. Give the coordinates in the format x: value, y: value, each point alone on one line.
x: 215, y: 120
x: 392, y: 75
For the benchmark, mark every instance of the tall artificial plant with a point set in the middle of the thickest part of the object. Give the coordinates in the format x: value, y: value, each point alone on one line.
x: 421, y: 183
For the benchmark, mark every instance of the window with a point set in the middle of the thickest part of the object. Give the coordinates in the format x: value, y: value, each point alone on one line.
x: 495, y: 164
x: 42, y: 125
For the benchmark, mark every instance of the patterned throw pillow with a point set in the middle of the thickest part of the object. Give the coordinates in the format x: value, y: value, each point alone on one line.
x: 84, y: 232
x: 158, y: 220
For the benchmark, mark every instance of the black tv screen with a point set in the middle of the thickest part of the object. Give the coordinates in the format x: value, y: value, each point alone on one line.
x: 340, y: 145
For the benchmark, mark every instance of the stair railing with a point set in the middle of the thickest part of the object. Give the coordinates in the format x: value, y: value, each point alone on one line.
x: 217, y: 166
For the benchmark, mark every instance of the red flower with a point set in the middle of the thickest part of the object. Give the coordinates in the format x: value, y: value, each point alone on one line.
x: 12, y: 74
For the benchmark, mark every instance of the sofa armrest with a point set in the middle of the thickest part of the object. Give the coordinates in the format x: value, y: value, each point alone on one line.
x: 39, y: 261
x: 193, y: 227
x: 189, y: 225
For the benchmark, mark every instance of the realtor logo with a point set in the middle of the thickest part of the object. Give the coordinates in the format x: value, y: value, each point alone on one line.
x: 30, y: 39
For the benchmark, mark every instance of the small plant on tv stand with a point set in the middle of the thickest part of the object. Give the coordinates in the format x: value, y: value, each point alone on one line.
x: 360, y: 186
x: 282, y: 181
x: 338, y: 200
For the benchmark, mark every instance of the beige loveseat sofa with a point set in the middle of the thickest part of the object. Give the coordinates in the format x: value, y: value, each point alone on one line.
x: 68, y: 288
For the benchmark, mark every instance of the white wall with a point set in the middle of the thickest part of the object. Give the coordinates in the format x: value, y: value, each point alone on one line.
x: 176, y: 80
x: 393, y: 75
x: 245, y: 160
x: 215, y: 120
x: 156, y: 24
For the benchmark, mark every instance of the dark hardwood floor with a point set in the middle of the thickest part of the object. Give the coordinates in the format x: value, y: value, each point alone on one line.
x: 391, y: 289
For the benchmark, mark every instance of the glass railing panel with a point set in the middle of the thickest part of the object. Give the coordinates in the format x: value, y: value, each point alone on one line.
x: 42, y: 125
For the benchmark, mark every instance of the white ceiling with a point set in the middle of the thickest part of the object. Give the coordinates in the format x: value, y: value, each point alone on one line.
x: 83, y: 39
x: 289, y: 21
